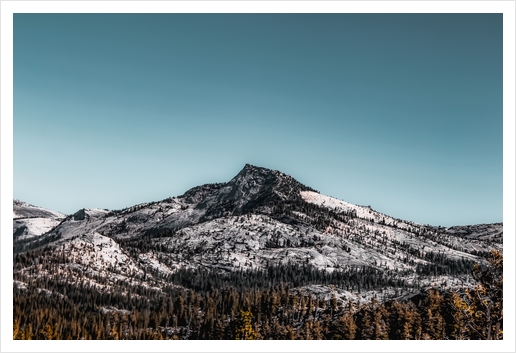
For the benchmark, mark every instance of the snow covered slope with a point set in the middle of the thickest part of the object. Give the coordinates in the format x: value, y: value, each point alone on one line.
x: 361, y: 212
x: 31, y: 221
x: 24, y: 210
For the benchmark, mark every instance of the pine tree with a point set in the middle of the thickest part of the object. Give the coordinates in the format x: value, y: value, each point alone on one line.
x: 365, y: 323
x: 334, y: 303
x: 16, y: 330
x: 290, y: 334
x: 348, y: 327
x: 403, y: 323
x: 457, y: 322
x: 317, y: 330
x: 47, y: 333
x: 28, y: 331
x: 433, y: 322
x: 379, y: 323
x: 218, y: 332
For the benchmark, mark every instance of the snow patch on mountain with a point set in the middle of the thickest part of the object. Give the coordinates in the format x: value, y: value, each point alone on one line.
x: 24, y: 210
x: 362, y: 212
x: 31, y: 221
x: 99, y: 253
x: 31, y: 227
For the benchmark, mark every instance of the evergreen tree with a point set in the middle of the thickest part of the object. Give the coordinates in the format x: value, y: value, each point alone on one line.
x: 433, y: 322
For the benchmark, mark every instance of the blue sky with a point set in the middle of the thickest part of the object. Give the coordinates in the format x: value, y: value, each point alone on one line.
x: 402, y: 112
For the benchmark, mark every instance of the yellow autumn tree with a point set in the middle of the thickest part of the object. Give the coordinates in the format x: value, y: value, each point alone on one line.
x: 244, y: 330
x: 18, y: 334
x: 481, y: 310
x: 458, y: 312
x: 28, y: 332
x: 47, y: 333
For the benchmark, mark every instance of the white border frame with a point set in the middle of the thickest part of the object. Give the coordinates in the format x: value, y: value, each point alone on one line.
x: 10, y: 7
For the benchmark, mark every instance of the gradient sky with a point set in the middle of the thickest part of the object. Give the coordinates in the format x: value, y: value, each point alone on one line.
x: 402, y: 112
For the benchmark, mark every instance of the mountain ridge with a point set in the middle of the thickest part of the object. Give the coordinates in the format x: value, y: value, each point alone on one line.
x: 253, y: 189
x: 260, y: 231
x: 270, y: 196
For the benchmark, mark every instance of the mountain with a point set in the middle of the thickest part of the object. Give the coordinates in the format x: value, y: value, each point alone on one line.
x: 262, y: 216
x: 261, y: 229
x: 31, y: 221
x: 478, y: 231
x: 25, y: 210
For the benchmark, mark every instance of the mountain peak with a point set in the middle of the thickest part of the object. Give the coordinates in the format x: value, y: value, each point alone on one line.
x: 249, y: 168
x: 262, y: 174
x: 254, y: 186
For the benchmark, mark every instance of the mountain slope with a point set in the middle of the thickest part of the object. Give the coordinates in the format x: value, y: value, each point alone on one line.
x: 263, y: 218
x: 31, y: 221
x: 24, y: 210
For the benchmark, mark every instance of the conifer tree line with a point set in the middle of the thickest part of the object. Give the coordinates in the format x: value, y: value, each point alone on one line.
x: 206, y: 304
